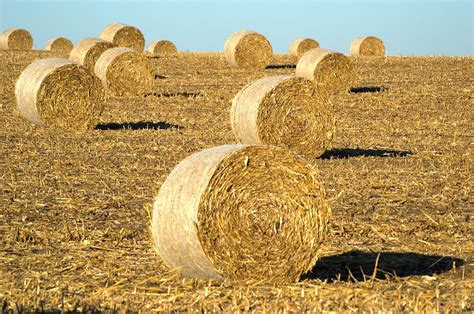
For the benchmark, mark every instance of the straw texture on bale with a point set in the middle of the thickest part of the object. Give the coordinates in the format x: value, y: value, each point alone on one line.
x: 248, y: 49
x: 284, y: 111
x: 367, y: 46
x: 241, y: 212
x: 16, y: 39
x: 123, y: 35
x: 124, y: 72
x: 60, y: 44
x: 162, y: 47
x: 61, y: 94
x: 301, y: 45
x: 88, y: 50
x: 332, y: 72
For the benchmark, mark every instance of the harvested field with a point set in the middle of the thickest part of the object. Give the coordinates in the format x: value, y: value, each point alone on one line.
x: 75, y: 209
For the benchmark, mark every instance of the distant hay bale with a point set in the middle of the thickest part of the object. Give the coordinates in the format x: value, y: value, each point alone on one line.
x: 332, y: 72
x: 88, y: 50
x: 59, y: 93
x: 241, y: 212
x: 162, y: 47
x: 16, y: 39
x: 60, y: 44
x: 248, y: 50
x: 284, y: 111
x: 123, y: 35
x: 124, y: 72
x: 301, y: 45
x: 367, y: 46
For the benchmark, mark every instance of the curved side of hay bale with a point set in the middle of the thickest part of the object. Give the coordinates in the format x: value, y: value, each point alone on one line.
x: 285, y: 111
x: 59, y: 93
x: 123, y: 35
x: 248, y: 49
x: 162, y: 47
x: 332, y: 72
x: 300, y: 45
x: 16, y: 39
x: 88, y: 50
x: 124, y: 72
x: 367, y: 46
x: 60, y: 44
x: 241, y: 212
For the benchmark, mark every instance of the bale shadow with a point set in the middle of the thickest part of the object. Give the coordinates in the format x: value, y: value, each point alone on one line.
x: 141, y: 125
x: 176, y: 94
x: 281, y: 66
x: 160, y: 77
x: 342, y: 153
x: 359, y: 266
x: 368, y: 89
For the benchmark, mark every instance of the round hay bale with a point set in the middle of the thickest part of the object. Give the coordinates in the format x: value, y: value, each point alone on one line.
x: 88, y: 50
x: 241, y: 212
x: 248, y: 50
x: 301, y: 45
x: 123, y: 35
x: 284, y: 111
x: 125, y: 72
x: 16, y: 39
x: 59, y: 93
x: 162, y: 47
x: 332, y: 72
x: 367, y: 46
x: 60, y: 44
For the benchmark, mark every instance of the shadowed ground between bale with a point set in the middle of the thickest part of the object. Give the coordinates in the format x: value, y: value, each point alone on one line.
x: 341, y: 153
x: 141, y: 125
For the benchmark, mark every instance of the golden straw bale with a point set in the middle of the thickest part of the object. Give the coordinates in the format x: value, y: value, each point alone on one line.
x: 332, y: 72
x: 367, y: 46
x: 16, y: 39
x: 162, y: 47
x: 241, y: 212
x: 125, y: 72
x: 301, y: 45
x: 123, y: 35
x: 88, y: 50
x: 59, y: 93
x: 248, y: 50
x: 60, y: 44
x: 284, y: 111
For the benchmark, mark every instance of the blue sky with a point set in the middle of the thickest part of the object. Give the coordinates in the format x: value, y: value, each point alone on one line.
x: 416, y: 27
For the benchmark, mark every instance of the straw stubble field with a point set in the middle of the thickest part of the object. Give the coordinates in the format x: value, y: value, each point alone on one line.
x: 75, y: 209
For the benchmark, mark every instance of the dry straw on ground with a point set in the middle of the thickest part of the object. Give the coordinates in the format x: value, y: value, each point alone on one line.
x: 162, y: 47
x: 367, y: 46
x: 248, y: 50
x: 16, y: 39
x: 332, y: 72
x: 285, y: 111
x: 301, y: 45
x: 124, y: 35
x: 88, y: 50
x: 60, y: 44
x: 61, y: 94
x: 241, y: 212
x: 124, y: 72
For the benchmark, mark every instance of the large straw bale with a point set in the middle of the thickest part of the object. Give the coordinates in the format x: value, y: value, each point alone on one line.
x: 367, y: 46
x: 123, y: 35
x: 332, y: 72
x: 88, y: 50
x: 16, y: 39
x: 248, y: 50
x: 59, y: 44
x: 125, y: 72
x: 241, y: 212
x: 284, y: 111
x: 59, y: 93
x: 162, y: 47
x: 300, y: 45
